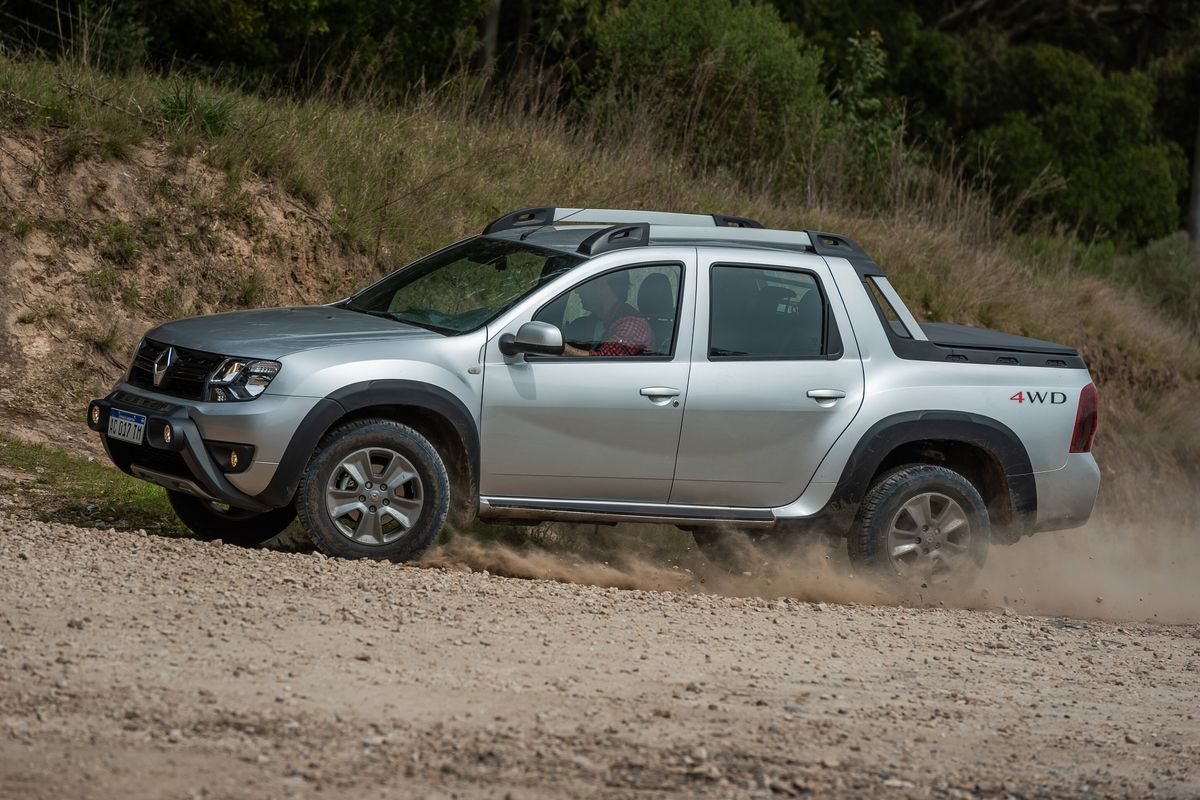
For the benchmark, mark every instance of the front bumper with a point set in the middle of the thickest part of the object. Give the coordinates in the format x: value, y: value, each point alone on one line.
x: 186, y: 463
x: 276, y: 434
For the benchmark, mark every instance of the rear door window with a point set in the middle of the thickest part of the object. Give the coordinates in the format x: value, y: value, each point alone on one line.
x: 760, y: 313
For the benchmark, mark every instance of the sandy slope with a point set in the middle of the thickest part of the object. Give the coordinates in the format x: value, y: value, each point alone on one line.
x: 137, y: 666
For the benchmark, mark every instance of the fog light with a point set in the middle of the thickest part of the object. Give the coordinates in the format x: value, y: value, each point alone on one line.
x: 95, y: 415
x: 233, y: 459
x: 166, y: 434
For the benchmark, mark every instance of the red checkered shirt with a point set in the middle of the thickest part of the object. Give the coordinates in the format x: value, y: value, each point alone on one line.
x: 629, y: 334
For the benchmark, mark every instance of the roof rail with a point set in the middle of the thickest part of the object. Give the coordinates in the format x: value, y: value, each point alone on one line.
x: 538, y: 215
x: 549, y: 215
x: 616, y: 238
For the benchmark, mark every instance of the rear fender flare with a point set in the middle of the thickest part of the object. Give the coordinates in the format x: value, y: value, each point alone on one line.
x: 897, y: 430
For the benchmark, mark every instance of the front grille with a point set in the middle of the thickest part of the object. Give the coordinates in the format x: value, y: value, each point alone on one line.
x: 186, y: 377
x: 124, y: 454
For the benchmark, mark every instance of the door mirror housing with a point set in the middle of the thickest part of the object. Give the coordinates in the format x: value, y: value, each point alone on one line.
x: 539, y: 338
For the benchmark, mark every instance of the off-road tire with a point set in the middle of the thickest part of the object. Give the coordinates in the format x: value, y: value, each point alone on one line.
x: 383, y: 434
x: 868, y: 542
x: 209, y: 521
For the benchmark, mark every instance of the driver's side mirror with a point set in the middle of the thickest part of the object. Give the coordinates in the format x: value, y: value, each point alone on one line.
x: 540, y: 338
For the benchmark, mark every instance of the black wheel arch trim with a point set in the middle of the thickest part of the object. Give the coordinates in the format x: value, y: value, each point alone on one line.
x: 897, y: 430
x: 354, y: 397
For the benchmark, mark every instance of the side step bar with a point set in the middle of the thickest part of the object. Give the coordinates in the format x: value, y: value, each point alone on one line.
x: 525, y: 508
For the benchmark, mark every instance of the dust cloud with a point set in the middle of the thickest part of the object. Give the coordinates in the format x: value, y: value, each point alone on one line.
x: 1116, y: 571
x: 462, y: 552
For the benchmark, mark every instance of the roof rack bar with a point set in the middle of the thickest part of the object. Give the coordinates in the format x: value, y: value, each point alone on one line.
x: 792, y: 240
x: 613, y: 216
x: 549, y: 215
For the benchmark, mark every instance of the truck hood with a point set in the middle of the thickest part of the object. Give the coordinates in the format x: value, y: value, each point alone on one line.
x: 276, y: 332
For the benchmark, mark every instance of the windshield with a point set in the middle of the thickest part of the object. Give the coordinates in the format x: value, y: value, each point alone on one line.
x: 457, y: 289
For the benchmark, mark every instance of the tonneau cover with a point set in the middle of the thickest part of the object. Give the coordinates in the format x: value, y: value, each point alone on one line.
x: 949, y: 335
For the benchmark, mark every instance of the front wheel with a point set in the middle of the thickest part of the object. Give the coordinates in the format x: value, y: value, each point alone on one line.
x: 921, y: 524
x: 374, y: 489
x: 210, y: 520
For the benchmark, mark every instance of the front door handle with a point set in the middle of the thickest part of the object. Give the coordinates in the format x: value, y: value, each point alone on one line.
x: 660, y: 395
x: 826, y: 394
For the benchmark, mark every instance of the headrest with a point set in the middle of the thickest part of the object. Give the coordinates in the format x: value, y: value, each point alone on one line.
x: 655, y: 297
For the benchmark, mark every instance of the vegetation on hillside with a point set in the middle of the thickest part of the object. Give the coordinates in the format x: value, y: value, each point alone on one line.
x: 1083, y: 114
x: 1073, y: 120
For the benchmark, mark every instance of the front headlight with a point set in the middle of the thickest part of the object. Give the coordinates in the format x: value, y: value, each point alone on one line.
x: 236, y: 379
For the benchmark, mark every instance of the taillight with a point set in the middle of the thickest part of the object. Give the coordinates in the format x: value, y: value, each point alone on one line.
x: 1087, y: 419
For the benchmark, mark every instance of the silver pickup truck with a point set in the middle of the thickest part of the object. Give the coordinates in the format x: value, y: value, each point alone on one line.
x: 610, y: 366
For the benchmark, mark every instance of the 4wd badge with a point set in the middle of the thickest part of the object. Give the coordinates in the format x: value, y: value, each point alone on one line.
x: 1054, y: 398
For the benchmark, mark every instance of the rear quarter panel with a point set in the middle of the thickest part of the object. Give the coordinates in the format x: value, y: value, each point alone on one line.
x: 1038, y: 404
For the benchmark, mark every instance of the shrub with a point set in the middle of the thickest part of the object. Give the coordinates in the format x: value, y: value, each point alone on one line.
x: 1167, y: 272
x: 728, y: 81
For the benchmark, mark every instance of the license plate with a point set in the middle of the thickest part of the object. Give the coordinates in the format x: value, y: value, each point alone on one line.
x: 126, y: 426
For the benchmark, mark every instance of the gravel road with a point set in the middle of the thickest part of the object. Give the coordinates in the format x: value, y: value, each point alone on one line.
x: 133, y: 665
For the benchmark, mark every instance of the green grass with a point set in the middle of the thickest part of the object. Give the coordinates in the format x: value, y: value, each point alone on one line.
x: 186, y: 105
x: 55, y: 486
x: 119, y: 243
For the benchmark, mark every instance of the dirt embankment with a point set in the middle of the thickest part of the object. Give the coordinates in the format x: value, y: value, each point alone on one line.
x: 93, y: 253
x: 138, y: 666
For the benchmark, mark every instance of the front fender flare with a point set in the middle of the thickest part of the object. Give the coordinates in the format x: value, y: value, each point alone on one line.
x: 354, y: 397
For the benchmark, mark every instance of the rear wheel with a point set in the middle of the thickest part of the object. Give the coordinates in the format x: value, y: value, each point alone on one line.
x: 210, y: 520
x: 374, y: 489
x: 921, y: 524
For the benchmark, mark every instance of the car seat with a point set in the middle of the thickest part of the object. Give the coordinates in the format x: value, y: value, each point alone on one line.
x: 656, y: 301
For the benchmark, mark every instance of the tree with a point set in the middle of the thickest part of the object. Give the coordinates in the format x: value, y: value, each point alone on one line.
x: 1194, y: 203
x: 1041, y: 107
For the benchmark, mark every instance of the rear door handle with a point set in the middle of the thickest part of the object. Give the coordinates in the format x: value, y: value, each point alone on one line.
x: 826, y: 394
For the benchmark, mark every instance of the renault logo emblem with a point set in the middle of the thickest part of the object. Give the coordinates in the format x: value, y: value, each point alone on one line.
x: 163, y: 363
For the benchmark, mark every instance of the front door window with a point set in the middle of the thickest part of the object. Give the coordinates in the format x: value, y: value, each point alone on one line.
x: 625, y: 313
